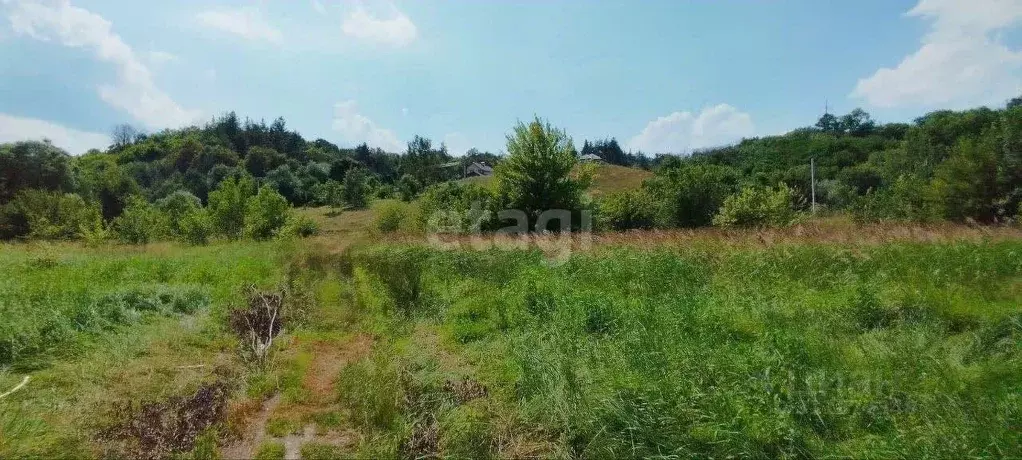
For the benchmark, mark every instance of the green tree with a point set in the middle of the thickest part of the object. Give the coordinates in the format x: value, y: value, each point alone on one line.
x: 537, y: 176
x: 37, y: 165
x: 227, y: 206
x: 261, y: 160
x: 356, y: 188
x: 196, y: 227
x: 266, y: 213
x: 176, y: 206
x: 140, y: 223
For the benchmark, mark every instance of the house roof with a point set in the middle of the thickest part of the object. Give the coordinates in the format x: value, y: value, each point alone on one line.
x: 592, y: 156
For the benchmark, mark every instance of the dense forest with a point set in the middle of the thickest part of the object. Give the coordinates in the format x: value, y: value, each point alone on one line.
x: 946, y: 165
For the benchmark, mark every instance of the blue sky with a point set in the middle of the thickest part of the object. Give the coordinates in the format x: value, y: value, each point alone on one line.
x: 657, y: 75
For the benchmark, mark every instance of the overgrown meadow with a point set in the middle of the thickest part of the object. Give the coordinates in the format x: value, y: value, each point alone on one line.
x: 96, y: 327
x: 898, y: 350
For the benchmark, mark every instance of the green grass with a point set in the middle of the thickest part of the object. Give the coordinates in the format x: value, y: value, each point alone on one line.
x: 98, y: 327
x: 797, y: 350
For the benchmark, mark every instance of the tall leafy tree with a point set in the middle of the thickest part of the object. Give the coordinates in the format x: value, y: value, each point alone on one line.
x: 536, y: 175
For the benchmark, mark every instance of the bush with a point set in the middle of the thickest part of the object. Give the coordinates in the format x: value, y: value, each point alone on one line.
x: 196, y: 227
x: 627, y: 210
x: 758, y: 206
x: 48, y: 215
x: 390, y: 216
x: 456, y: 206
x: 228, y: 206
x: 266, y: 213
x: 299, y: 226
x: 140, y: 223
x: 176, y: 207
x: 690, y: 196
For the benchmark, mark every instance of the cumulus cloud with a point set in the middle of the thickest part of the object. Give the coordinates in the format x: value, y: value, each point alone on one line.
x: 397, y: 30
x: 158, y: 58
x: 14, y: 129
x: 357, y: 128
x: 245, y: 22
x: 135, y: 91
x: 960, y: 63
x: 682, y: 132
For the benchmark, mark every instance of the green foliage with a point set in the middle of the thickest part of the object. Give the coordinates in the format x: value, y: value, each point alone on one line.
x: 48, y: 215
x: 633, y: 209
x: 196, y: 227
x: 536, y: 175
x: 322, y: 451
x: 176, y: 207
x: 454, y: 207
x: 261, y: 160
x: 228, y: 206
x: 408, y: 187
x: 299, y: 226
x: 33, y: 165
x: 390, y: 216
x: 355, y: 189
x: 140, y: 223
x: 690, y: 195
x: 757, y: 206
x: 266, y: 213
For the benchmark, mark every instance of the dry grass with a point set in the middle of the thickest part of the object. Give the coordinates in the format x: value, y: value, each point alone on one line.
x: 830, y: 231
x: 607, y: 178
x: 613, y: 179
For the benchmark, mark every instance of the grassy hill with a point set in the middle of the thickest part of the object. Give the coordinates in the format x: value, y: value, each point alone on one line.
x: 608, y: 178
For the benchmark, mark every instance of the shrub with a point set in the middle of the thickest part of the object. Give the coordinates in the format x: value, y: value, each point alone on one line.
x: 266, y: 213
x: 633, y: 209
x: 536, y: 176
x: 196, y: 227
x: 48, y: 215
x: 757, y: 206
x: 176, y: 206
x: 140, y: 223
x: 690, y: 196
x: 227, y: 206
x: 299, y: 226
x: 370, y: 388
x: 390, y: 216
x: 457, y: 206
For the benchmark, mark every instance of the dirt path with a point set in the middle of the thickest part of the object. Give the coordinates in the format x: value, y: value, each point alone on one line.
x: 318, y: 381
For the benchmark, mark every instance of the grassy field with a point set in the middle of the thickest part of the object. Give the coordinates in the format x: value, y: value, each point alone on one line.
x: 822, y: 340
x: 98, y: 327
x: 895, y: 350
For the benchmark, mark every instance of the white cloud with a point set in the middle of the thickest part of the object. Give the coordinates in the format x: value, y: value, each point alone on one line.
x: 682, y: 132
x: 13, y: 129
x: 960, y: 63
x: 135, y: 91
x: 404, y: 111
x: 397, y: 31
x: 245, y: 22
x: 357, y: 128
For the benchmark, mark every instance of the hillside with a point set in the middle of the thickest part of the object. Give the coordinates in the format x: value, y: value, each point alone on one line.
x: 607, y: 178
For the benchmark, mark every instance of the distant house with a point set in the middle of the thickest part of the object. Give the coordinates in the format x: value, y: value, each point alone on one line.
x: 478, y: 169
x: 591, y: 158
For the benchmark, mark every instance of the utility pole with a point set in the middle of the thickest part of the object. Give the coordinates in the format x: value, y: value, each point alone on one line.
x: 812, y: 180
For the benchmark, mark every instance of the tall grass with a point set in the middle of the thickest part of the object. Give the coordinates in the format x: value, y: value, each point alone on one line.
x: 893, y: 350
